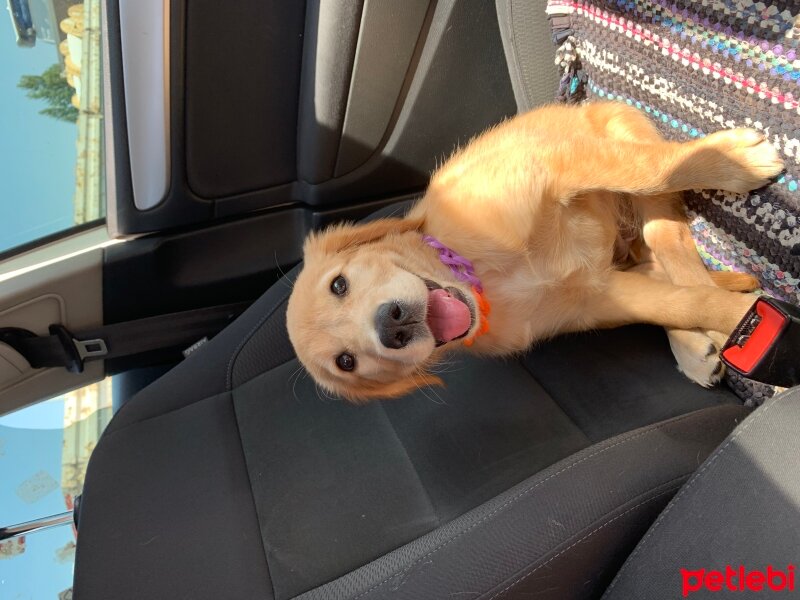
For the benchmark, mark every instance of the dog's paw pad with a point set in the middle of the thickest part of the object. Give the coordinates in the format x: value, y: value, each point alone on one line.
x: 697, y: 356
x: 754, y: 161
x: 718, y: 370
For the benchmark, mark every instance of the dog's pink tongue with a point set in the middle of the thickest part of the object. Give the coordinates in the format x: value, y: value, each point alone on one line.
x: 448, y: 317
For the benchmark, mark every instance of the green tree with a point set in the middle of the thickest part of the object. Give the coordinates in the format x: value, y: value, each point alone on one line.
x: 53, y: 88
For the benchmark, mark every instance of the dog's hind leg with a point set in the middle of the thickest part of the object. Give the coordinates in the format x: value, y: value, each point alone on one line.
x: 667, y: 235
x: 734, y: 281
x: 685, y: 311
x: 636, y: 298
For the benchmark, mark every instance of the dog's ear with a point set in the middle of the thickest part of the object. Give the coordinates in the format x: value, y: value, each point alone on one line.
x: 348, y: 235
x: 387, y: 391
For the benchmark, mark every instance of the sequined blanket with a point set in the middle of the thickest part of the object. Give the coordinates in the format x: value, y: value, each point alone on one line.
x: 696, y: 67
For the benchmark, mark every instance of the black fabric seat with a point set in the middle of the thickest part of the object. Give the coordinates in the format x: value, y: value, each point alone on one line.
x: 738, y: 514
x: 234, y: 477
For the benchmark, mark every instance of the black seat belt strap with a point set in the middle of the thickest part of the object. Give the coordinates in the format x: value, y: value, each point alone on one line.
x: 63, y: 348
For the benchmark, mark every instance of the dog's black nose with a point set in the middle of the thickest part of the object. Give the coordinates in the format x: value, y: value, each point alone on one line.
x: 395, y: 324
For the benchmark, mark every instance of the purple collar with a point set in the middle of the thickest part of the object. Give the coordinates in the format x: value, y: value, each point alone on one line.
x: 461, y: 267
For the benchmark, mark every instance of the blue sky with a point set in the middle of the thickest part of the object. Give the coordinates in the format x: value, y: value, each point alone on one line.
x: 37, y: 153
x: 31, y: 442
x: 37, y: 166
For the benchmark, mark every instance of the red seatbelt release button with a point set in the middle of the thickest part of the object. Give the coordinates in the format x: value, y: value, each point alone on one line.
x: 765, y: 346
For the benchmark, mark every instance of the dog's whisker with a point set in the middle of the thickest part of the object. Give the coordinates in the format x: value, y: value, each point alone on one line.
x: 296, y: 377
x: 445, y: 365
x: 444, y: 370
x: 328, y: 395
x: 421, y: 391
x: 438, y: 399
x: 283, y: 279
x: 322, y: 394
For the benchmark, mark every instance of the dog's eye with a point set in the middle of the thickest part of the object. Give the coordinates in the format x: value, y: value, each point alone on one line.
x: 339, y: 287
x: 346, y: 362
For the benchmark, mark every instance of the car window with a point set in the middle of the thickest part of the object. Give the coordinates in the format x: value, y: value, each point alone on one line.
x: 44, y: 451
x: 51, y: 150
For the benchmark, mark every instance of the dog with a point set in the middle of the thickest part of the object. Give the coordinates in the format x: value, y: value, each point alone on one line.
x: 563, y: 219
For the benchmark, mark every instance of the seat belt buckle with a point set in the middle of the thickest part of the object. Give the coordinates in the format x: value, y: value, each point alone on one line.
x: 765, y: 346
x: 91, y: 348
x: 77, y: 351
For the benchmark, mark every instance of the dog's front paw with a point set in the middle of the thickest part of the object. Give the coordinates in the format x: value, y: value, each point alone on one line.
x: 697, y: 355
x: 752, y: 160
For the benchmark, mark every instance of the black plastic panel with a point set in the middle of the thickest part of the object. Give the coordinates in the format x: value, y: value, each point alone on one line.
x: 390, y: 32
x: 179, y: 207
x: 228, y: 262
x: 231, y: 261
x: 457, y: 85
x: 329, y: 48
x: 259, y: 103
x: 235, y: 164
x: 242, y: 90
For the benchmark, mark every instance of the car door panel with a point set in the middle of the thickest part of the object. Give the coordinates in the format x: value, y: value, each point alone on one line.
x: 67, y: 292
x: 287, y: 103
x: 378, y: 75
x: 325, y: 82
x: 457, y: 85
x: 144, y: 42
x: 230, y: 261
x: 29, y: 315
x: 242, y: 87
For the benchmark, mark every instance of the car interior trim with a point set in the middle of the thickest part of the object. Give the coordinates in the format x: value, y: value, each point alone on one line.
x: 144, y: 29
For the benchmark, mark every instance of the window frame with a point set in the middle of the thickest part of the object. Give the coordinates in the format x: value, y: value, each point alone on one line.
x: 50, y: 238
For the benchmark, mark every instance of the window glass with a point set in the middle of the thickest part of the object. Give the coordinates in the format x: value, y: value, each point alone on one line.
x: 50, y: 114
x: 44, y: 451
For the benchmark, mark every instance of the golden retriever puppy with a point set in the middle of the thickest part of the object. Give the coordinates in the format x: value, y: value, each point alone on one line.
x: 562, y: 219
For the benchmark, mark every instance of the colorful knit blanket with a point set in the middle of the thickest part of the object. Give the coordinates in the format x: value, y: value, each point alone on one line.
x: 696, y: 67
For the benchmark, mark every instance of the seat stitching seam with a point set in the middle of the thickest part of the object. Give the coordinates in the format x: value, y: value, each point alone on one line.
x: 591, y: 533
x: 703, y: 470
x: 560, y: 406
x: 411, y: 462
x: 241, y: 345
x: 252, y: 493
x: 513, y: 500
x: 109, y: 434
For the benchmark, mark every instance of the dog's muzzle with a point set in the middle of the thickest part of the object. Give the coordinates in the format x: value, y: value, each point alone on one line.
x: 399, y: 323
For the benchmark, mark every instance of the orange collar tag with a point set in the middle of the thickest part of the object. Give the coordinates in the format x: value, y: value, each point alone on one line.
x: 484, y: 309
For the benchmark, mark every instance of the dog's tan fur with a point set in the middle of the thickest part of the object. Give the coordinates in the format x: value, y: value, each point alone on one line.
x: 573, y: 219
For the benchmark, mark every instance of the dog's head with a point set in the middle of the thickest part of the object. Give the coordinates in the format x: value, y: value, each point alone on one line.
x: 373, y: 307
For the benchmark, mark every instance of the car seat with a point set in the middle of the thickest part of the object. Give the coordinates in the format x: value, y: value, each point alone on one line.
x: 234, y: 476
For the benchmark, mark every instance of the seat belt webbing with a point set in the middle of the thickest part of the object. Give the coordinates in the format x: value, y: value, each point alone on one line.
x: 63, y: 348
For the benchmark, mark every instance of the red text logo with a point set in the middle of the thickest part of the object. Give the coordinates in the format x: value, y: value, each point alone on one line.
x: 738, y: 580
